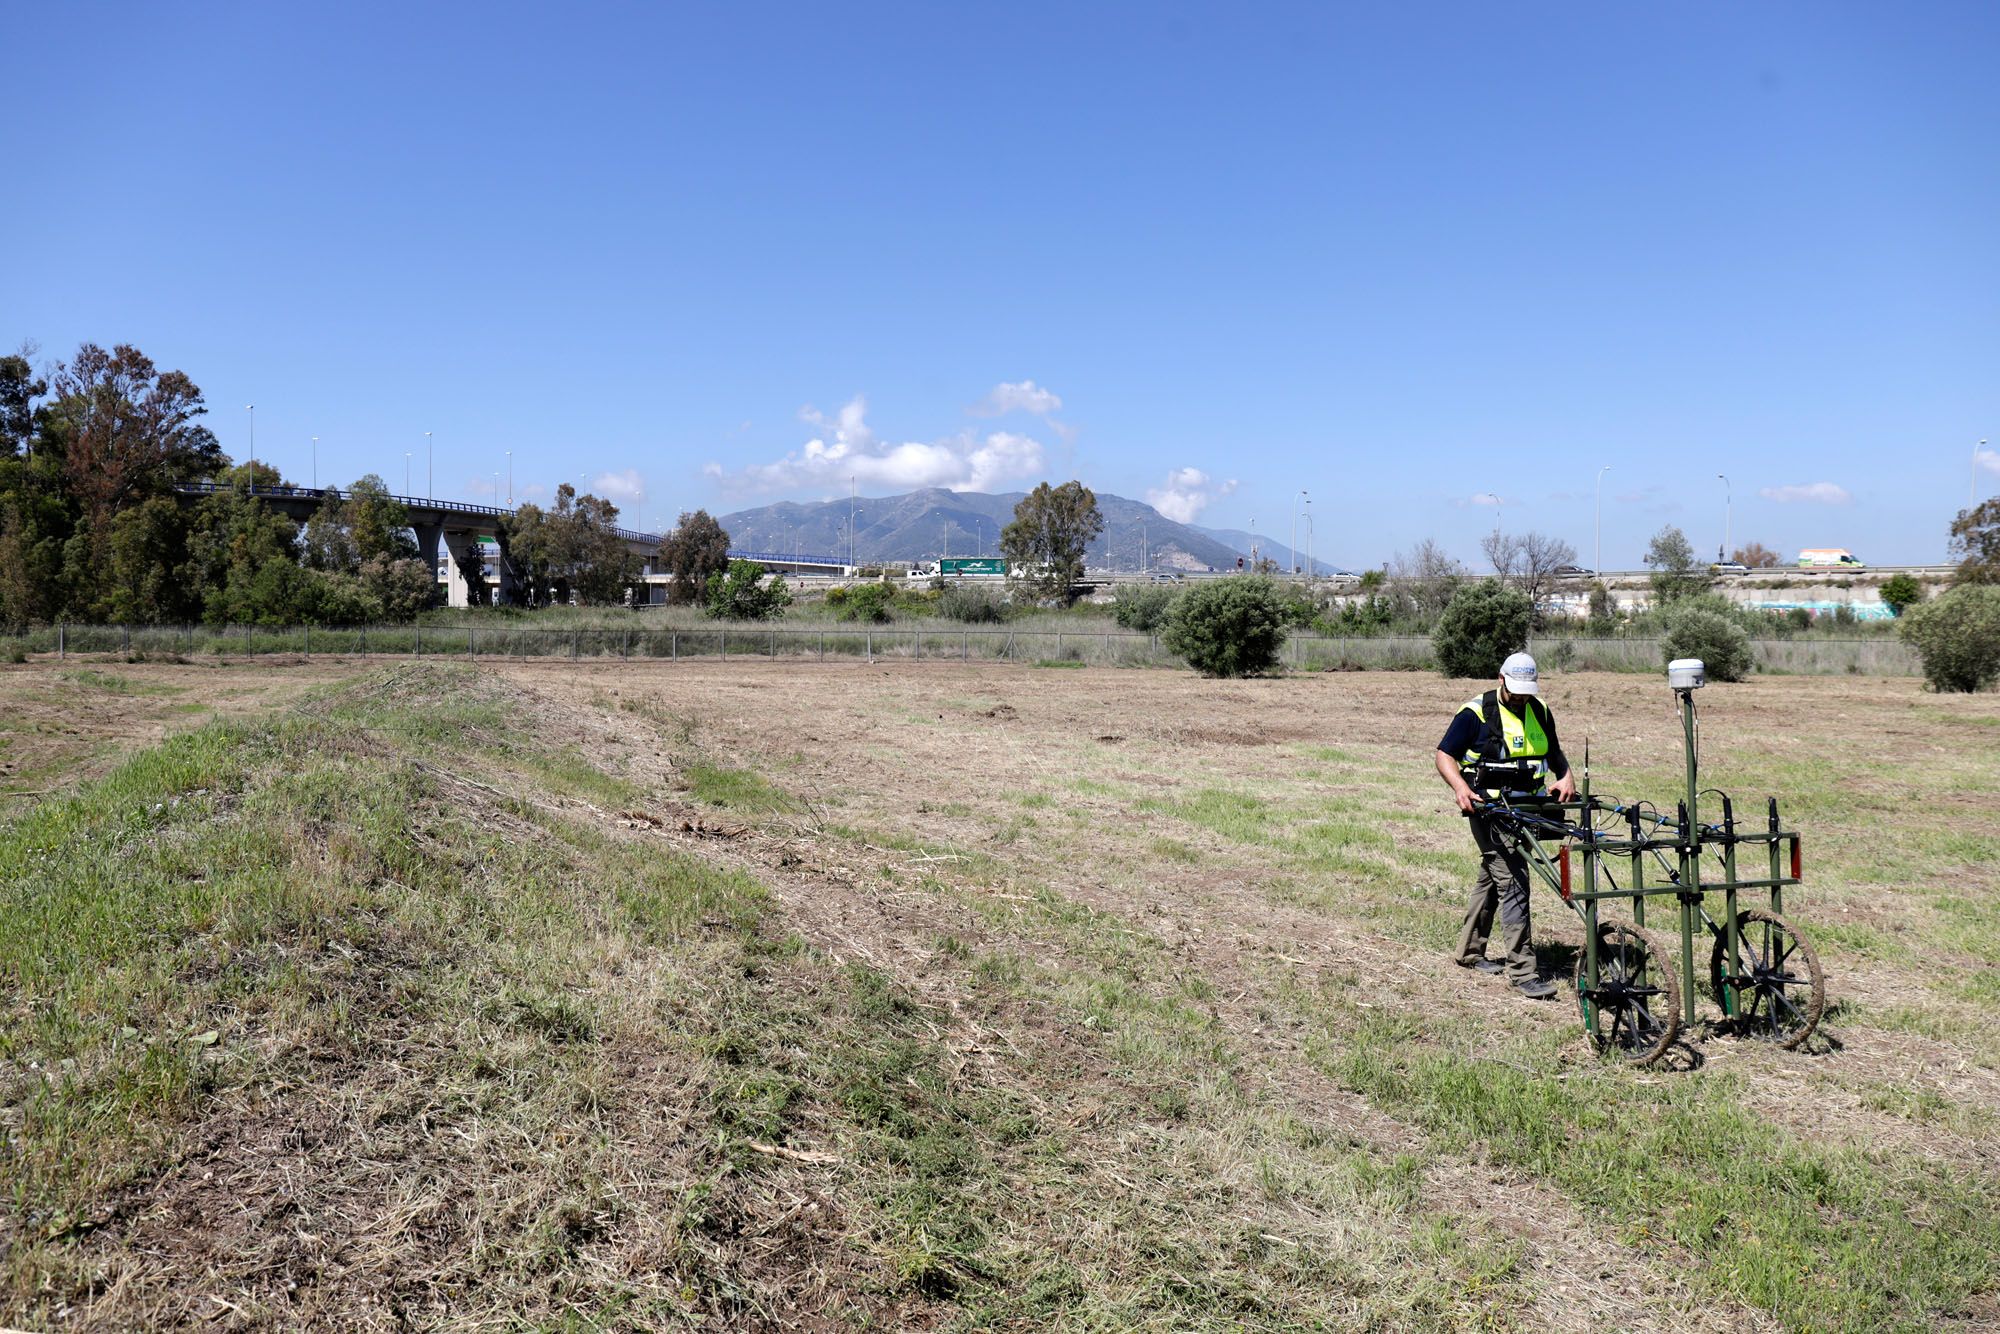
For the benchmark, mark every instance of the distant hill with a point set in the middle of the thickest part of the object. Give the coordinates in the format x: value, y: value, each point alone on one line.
x: 924, y: 525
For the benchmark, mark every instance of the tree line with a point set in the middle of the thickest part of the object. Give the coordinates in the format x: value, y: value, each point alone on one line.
x: 92, y: 530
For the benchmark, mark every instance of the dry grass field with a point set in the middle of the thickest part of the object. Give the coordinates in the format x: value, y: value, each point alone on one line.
x: 826, y: 996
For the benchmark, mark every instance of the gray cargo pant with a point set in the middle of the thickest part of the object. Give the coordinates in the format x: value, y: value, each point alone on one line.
x: 1502, y: 883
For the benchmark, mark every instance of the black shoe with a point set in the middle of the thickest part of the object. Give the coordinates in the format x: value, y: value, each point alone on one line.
x: 1486, y: 966
x: 1536, y: 988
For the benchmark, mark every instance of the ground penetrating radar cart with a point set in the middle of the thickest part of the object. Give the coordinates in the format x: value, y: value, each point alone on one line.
x: 1634, y: 991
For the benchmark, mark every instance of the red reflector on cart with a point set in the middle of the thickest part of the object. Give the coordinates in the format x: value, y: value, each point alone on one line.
x: 1798, y: 860
x: 1563, y: 860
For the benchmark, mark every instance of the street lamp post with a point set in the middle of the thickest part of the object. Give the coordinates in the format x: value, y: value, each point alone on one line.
x: 1293, y: 554
x: 1597, y: 552
x: 1977, y: 450
x: 430, y: 483
x: 251, y: 408
x: 1728, y: 507
x: 315, y: 463
x: 406, y: 472
x: 1495, y: 498
x: 510, y: 477
x: 1312, y: 570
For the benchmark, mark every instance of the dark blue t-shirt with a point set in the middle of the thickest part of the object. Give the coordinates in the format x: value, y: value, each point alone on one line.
x: 1466, y: 725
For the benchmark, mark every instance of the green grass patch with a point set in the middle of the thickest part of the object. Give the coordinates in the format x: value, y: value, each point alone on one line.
x: 738, y: 789
x: 1824, y: 1238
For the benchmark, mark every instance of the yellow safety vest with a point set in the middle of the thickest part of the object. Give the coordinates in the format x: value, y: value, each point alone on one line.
x: 1520, y: 736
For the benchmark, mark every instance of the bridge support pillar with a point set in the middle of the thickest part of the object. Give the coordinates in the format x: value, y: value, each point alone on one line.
x: 465, y: 569
x: 430, y: 540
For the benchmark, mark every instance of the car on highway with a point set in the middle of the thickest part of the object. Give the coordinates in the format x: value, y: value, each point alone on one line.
x: 1573, y: 572
x: 1165, y: 577
x: 1729, y: 567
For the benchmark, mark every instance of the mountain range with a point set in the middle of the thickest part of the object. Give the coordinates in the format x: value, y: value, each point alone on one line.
x: 924, y: 525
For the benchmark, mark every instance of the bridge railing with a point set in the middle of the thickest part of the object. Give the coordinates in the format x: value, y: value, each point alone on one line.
x: 786, y: 558
x: 321, y: 493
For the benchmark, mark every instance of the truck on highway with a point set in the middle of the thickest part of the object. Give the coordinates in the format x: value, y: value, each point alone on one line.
x: 1828, y: 558
x: 962, y: 567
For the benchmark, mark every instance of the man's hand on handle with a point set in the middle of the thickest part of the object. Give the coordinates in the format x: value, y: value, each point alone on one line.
x: 1466, y: 801
x: 1565, y: 788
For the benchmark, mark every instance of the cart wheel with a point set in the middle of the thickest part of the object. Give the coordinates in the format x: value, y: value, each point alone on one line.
x: 1780, y: 991
x: 1635, y: 1009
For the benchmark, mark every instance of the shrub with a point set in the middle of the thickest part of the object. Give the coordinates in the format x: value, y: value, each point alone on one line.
x: 1698, y: 632
x: 1901, y: 592
x: 1300, y: 610
x: 974, y: 604
x: 868, y: 602
x: 1481, y: 625
x: 742, y: 595
x: 1958, y: 636
x: 1143, y: 607
x: 1603, y: 608
x: 1228, y: 627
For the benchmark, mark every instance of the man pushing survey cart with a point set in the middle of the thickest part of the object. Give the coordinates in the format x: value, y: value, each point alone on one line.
x: 1634, y: 991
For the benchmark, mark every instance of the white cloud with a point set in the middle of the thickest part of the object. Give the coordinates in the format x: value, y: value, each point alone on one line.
x: 1188, y: 491
x: 1988, y: 459
x: 623, y: 487
x: 482, y: 486
x: 1483, y: 498
x: 848, y: 447
x: 533, y: 491
x: 1027, y: 396
x: 1818, y: 493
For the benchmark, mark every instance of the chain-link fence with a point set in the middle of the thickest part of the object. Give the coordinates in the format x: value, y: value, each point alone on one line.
x: 1879, y: 656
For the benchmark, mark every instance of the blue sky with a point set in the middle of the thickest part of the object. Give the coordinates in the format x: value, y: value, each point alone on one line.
x: 1402, y: 257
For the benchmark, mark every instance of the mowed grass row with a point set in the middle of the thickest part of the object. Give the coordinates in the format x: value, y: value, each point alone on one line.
x: 1799, y: 1222
x: 342, y: 1018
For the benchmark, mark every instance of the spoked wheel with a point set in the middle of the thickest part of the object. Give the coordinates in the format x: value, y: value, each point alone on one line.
x: 1779, y: 990
x: 1634, y: 1010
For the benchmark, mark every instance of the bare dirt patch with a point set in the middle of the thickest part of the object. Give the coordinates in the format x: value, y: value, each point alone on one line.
x: 63, y: 723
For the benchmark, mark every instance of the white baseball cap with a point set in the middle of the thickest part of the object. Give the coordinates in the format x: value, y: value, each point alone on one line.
x: 1519, y: 674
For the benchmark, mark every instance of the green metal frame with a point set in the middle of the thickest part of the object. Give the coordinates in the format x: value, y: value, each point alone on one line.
x: 1679, y: 844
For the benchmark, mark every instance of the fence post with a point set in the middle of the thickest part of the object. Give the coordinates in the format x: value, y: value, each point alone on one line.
x: 417, y: 648
x: 472, y: 641
x: 306, y: 639
x: 725, y: 641
x: 573, y: 636
x: 774, y: 646
x: 868, y: 644
x: 625, y: 646
x: 965, y: 646
x: 128, y: 637
x: 822, y: 645
x: 363, y: 634
x: 673, y: 645
x: 1059, y: 648
x: 62, y: 647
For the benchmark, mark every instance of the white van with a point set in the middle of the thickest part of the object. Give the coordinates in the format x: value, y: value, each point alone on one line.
x: 1828, y: 558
